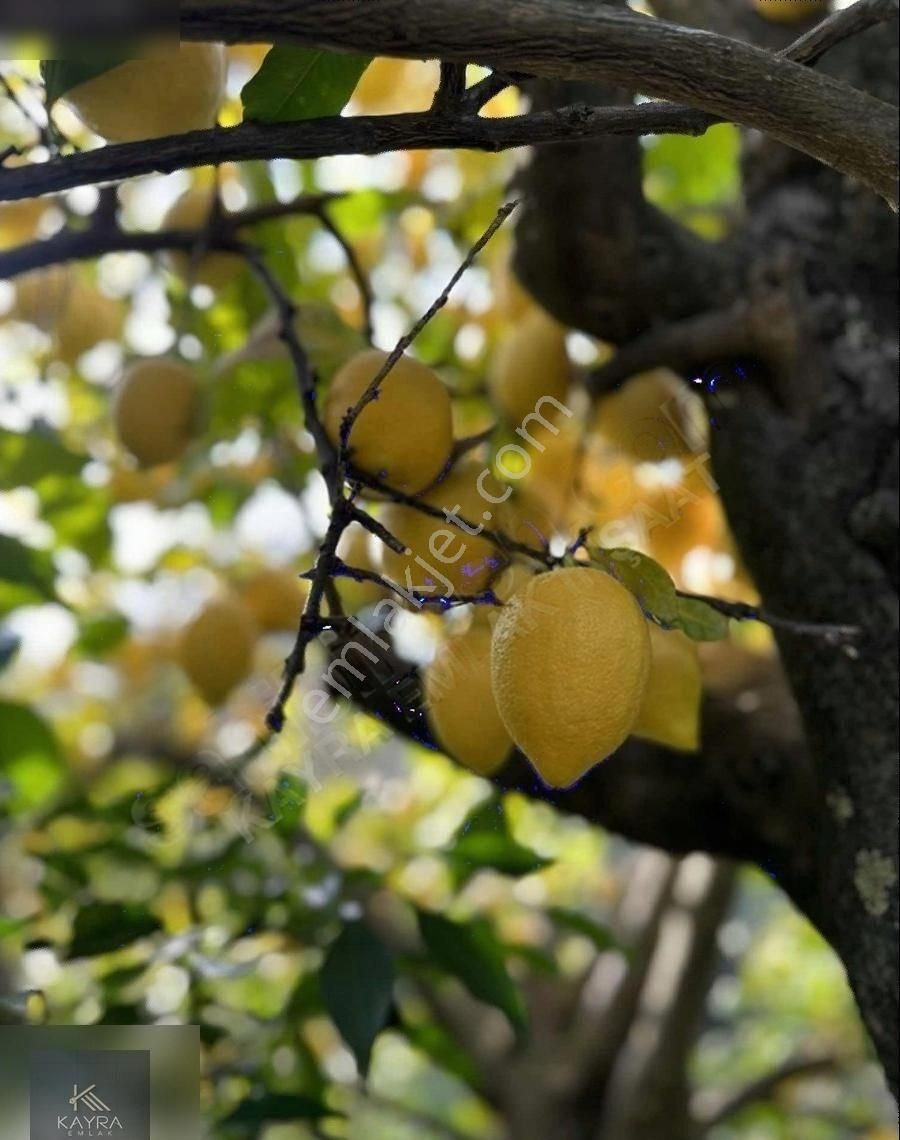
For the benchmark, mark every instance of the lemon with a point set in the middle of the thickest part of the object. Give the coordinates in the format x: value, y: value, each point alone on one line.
x: 675, y: 526
x: 404, y: 436
x: 275, y: 597
x: 61, y: 303
x: 511, y: 299
x: 389, y: 86
x: 529, y: 365
x: 215, y: 270
x: 19, y: 220
x: 650, y: 418
x: 155, y: 409
x: 446, y: 559
x: 216, y: 648
x: 670, y: 711
x: 527, y: 519
x: 460, y: 702
x: 166, y: 94
x: 570, y: 660
x: 790, y: 11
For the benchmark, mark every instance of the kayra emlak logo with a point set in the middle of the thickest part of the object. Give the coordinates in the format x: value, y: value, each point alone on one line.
x: 90, y: 1094
x: 91, y: 1116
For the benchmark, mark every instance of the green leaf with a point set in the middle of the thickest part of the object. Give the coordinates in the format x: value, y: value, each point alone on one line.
x: 26, y: 568
x: 700, y: 621
x: 357, y: 981
x: 31, y: 767
x: 471, y: 953
x: 287, y: 804
x: 644, y: 577
x: 61, y: 75
x: 275, y: 1106
x: 10, y: 926
x: 101, y: 633
x: 579, y: 923
x: 301, y: 83
x: 102, y: 927
x: 484, y: 841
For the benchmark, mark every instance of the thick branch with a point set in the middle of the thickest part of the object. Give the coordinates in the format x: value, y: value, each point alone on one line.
x: 319, y: 138
x: 565, y: 39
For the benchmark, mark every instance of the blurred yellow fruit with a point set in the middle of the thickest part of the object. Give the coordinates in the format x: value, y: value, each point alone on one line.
x: 650, y: 418
x: 215, y: 270
x: 790, y: 11
x: 675, y: 525
x: 216, y: 648
x: 670, y: 711
x: 18, y: 221
x: 169, y: 93
x: 555, y: 460
x: 444, y: 553
x: 390, y: 86
x: 135, y: 485
x: 511, y: 299
x: 275, y: 597
x: 355, y: 548
x: 460, y: 702
x: 531, y: 369
x: 155, y: 409
x: 570, y: 660
x: 250, y: 56
x: 404, y: 436
x: 69, y: 309
x: 527, y: 519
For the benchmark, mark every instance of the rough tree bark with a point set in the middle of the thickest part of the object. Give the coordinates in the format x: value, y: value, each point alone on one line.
x: 804, y: 448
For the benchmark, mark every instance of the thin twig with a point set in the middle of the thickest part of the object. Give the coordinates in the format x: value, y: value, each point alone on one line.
x: 355, y: 266
x: 741, y: 611
x: 762, y: 1087
x: 451, y: 89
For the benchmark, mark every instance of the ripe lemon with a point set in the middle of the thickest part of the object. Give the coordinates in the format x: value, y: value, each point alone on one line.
x: 676, y: 525
x: 69, y: 309
x: 790, y: 11
x: 404, y: 436
x: 390, y: 86
x: 570, y: 660
x: 275, y: 597
x: 650, y: 418
x: 553, y: 462
x: 461, y: 706
x: 529, y: 365
x: 442, y: 551
x: 156, y: 408
x: 527, y: 519
x: 670, y: 711
x: 178, y: 90
x: 215, y: 270
x: 19, y: 220
x: 216, y: 648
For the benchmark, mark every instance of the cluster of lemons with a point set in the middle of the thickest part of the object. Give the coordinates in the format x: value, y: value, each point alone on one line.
x: 568, y: 665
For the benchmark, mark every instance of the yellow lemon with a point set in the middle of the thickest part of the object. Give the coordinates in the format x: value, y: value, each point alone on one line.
x: 216, y: 648
x: 650, y: 418
x: 390, y: 86
x: 670, y: 711
x: 531, y: 372
x: 155, y: 409
x: 790, y: 11
x: 404, y: 436
x: 570, y: 660
x: 676, y: 525
x: 275, y: 597
x: 18, y: 221
x: 512, y: 300
x: 168, y: 93
x: 215, y: 270
x: 460, y: 702
x: 68, y: 308
x: 446, y: 556
x: 527, y: 519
